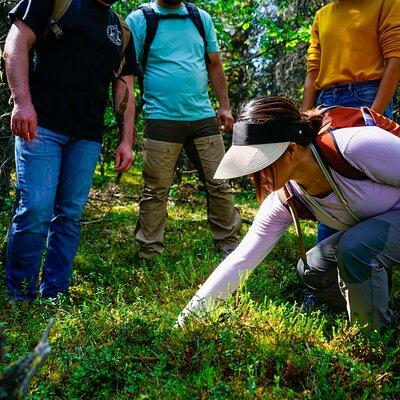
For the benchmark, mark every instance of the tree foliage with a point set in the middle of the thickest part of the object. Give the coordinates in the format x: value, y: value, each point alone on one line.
x: 255, y: 35
x: 262, y: 42
x: 263, y: 48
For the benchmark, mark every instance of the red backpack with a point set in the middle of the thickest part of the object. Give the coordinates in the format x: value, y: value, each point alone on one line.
x: 336, y: 118
x: 347, y: 117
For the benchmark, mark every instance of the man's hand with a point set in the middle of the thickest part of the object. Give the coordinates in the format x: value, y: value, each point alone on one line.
x: 24, y: 120
x: 19, y: 40
x: 127, y: 131
x: 218, y: 82
x: 123, y: 157
x: 225, y: 120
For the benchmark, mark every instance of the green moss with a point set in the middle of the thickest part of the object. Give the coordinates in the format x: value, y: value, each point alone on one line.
x: 114, y: 337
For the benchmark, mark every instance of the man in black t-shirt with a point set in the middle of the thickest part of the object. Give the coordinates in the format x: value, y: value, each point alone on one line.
x: 58, y: 120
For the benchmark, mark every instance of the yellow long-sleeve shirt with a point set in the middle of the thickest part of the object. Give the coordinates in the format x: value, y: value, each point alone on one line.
x: 351, y: 39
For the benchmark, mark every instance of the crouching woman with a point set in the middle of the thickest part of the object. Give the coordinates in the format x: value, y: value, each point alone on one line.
x: 346, y: 177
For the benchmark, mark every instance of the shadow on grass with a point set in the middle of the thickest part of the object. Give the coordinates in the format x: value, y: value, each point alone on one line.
x: 114, y: 336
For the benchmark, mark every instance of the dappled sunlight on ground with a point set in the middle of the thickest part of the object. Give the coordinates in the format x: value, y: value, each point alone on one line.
x: 114, y: 335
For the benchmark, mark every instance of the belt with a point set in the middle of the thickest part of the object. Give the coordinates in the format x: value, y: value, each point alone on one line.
x: 348, y: 86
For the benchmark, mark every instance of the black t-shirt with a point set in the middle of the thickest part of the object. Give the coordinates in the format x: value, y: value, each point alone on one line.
x: 70, y: 76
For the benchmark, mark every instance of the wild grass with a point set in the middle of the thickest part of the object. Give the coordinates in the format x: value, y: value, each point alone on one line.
x: 114, y: 337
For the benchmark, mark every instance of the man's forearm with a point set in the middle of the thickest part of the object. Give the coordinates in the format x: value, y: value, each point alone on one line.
x: 16, y: 55
x: 23, y: 117
x: 128, y: 132
x: 388, y: 85
x: 123, y: 154
x: 218, y: 83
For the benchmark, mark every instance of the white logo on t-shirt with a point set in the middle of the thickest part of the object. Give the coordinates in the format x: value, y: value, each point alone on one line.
x: 114, y: 34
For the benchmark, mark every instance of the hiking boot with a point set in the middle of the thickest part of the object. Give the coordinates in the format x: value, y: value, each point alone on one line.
x: 311, y: 302
x: 225, y: 248
x: 148, y: 255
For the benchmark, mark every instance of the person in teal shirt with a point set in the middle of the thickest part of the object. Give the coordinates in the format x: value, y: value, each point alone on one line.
x: 179, y: 114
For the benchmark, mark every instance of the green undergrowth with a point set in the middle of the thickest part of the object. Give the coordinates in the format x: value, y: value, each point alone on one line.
x: 114, y: 337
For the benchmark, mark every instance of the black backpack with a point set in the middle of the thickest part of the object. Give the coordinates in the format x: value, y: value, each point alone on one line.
x: 152, y: 20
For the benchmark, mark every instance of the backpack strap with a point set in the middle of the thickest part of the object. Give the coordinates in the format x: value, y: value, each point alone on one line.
x: 329, y: 152
x: 295, y: 206
x: 59, y: 9
x: 151, y: 29
x: 382, y: 121
x: 152, y: 19
x: 287, y: 194
x: 333, y: 184
x: 345, y: 117
x: 194, y: 15
x: 125, y: 35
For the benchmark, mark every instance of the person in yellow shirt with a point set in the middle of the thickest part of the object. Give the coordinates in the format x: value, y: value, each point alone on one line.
x: 354, y: 58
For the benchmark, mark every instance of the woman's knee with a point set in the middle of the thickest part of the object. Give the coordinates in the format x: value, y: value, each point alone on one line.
x: 320, y: 270
x: 311, y: 276
x: 354, y: 259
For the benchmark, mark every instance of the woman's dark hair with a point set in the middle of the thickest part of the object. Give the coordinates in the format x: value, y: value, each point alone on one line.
x: 284, y: 111
x: 279, y: 109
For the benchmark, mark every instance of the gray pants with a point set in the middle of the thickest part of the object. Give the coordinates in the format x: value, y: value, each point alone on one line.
x: 206, y: 147
x: 349, y: 269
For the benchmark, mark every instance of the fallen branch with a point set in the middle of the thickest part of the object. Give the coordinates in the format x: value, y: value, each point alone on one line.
x: 15, y: 380
x: 98, y: 221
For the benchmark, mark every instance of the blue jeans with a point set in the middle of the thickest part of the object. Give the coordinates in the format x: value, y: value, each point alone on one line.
x: 356, y: 94
x: 54, y: 176
x: 348, y: 95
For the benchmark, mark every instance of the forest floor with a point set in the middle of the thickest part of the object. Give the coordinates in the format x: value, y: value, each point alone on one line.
x: 114, y: 336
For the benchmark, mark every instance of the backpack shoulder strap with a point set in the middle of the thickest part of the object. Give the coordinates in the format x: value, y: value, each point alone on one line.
x: 328, y: 150
x: 194, y: 15
x: 59, y: 9
x: 119, y: 109
x: 345, y: 117
x: 151, y: 29
x: 126, y: 33
x: 325, y: 143
x: 125, y: 36
x: 288, y: 199
x: 286, y: 195
x: 381, y: 121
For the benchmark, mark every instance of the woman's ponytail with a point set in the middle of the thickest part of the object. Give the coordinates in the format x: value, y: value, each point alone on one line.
x: 313, y: 119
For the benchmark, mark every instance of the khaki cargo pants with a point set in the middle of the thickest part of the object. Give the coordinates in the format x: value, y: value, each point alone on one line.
x: 205, y: 148
x: 349, y: 270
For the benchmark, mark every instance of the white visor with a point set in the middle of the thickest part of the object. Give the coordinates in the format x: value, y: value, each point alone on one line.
x: 244, y: 160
